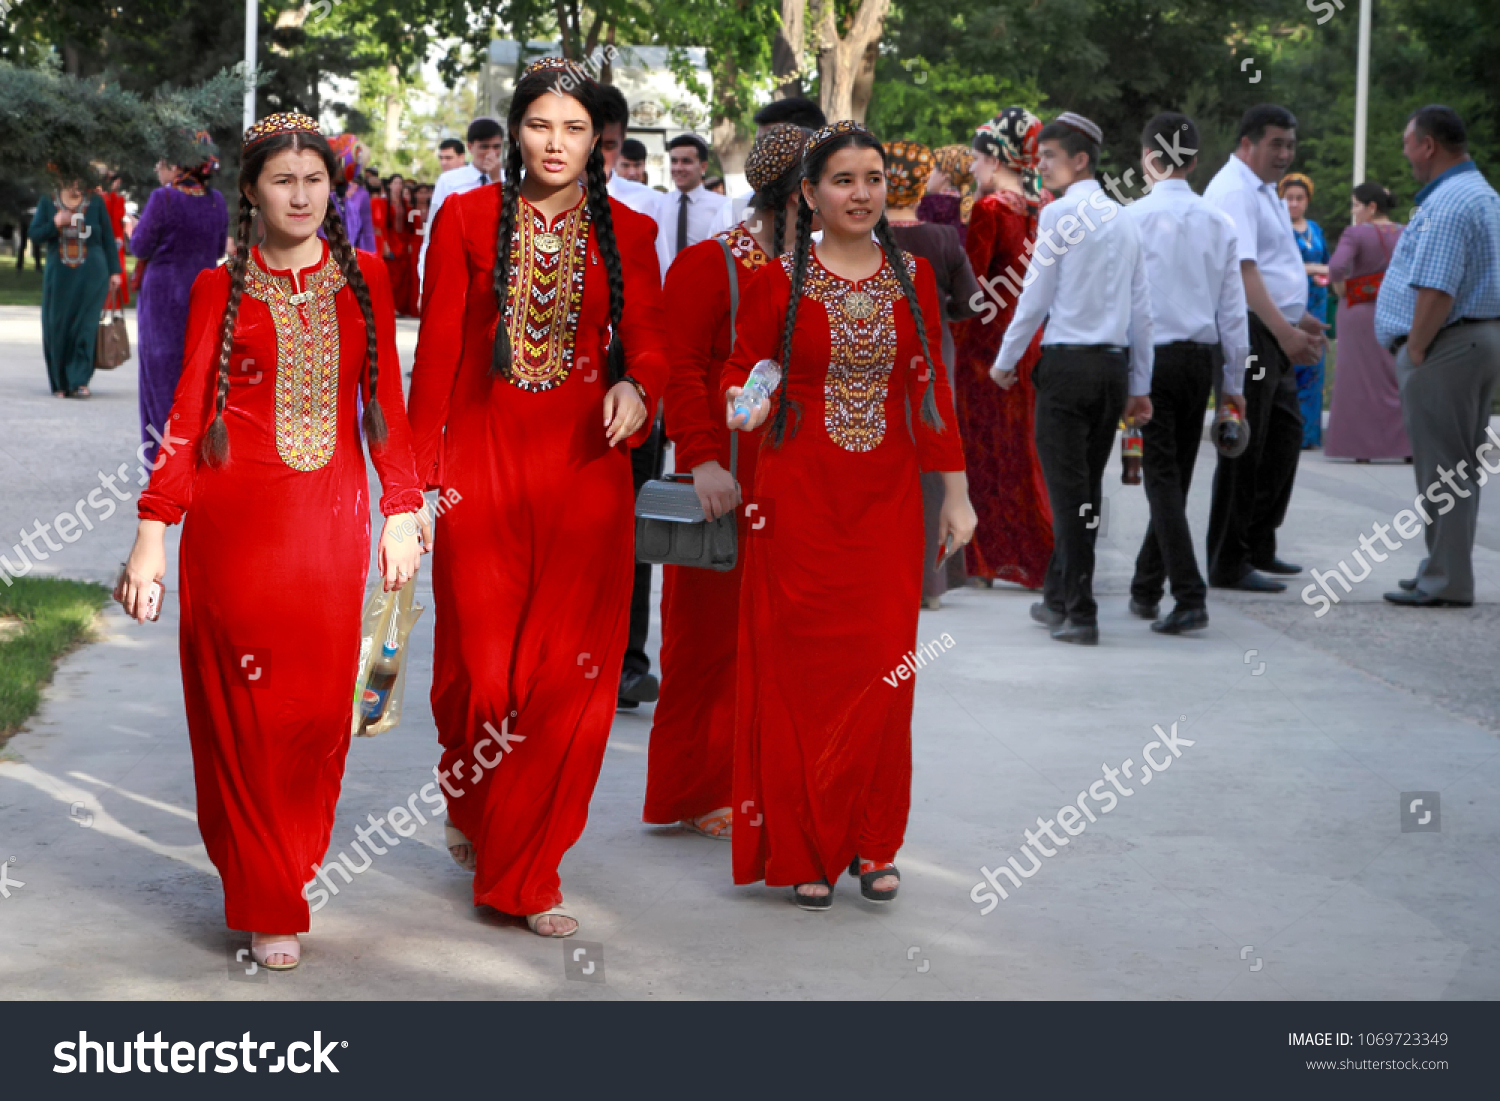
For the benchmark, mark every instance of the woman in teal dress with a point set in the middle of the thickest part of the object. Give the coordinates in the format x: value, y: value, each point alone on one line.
x: 1296, y: 191
x: 83, y: 266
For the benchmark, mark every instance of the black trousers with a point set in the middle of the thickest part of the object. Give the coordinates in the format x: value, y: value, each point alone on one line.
x: 1079, y: 398
x: 1180, y: 385
x: 645, y: 464
x: 1251, y: 493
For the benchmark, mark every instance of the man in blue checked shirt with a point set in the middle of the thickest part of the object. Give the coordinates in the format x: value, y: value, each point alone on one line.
x: 1439, y: 309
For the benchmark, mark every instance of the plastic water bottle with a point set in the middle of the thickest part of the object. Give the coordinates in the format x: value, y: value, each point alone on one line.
x: 759, y: 387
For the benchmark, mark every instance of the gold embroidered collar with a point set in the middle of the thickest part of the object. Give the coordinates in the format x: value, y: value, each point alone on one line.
x: 545, y: 294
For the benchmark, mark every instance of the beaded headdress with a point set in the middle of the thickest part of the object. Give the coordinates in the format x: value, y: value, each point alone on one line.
x: 777, y: 149
x: 907, y: 166
x: 826, y: 134
x: 556, y: 65
x: 283, y: 122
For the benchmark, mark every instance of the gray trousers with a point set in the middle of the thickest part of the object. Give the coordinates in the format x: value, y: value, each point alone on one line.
x: 1446, y: 406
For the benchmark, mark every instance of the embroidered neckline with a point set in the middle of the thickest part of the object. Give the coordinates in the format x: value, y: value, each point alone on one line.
x: 307, y: 357
x: 542, y: 326
x: 862, y: 349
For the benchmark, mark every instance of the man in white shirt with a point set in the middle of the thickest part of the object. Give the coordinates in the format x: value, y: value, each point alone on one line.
x: 616, y: 114
x: 450, y: 155
x: 632, y: 161
x: 1199, y: 324
x: 1096, y: 359
x: 1251, y: 492
x: 486, y: 140
x: 688, y: 212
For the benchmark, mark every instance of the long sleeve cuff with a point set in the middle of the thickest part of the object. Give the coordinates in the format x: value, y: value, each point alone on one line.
x: 402, y: 500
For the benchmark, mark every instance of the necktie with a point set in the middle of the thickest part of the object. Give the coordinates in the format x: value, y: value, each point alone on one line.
x: 484, y: 178
x: 682, y: 241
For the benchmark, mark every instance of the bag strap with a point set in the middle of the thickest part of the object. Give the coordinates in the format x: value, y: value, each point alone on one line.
x: 734, y: 308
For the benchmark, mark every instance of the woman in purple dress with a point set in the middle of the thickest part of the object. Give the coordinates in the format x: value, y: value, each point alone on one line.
x: 1364, y: 422
x: 180, y: 233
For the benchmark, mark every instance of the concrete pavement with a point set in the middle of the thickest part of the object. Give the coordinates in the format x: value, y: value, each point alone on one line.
x: 1267, y: 862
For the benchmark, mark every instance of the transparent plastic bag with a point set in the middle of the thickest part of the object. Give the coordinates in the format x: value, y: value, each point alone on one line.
x: 380, y: 686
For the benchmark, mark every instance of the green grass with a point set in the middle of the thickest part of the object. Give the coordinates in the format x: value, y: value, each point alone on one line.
x: 19, y: 288
x: 56, y: 616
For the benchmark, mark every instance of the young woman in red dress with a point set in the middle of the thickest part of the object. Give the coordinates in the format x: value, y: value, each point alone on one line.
x: 399, y: 238
x: 828, y: 606
x: 1005, y: 479
x: 263, y: 455
x: 527, y: 421
x: 691, y: 751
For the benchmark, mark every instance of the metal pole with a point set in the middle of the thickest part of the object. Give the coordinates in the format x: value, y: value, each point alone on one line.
x: 252, y: 19
x: 1362, y: 93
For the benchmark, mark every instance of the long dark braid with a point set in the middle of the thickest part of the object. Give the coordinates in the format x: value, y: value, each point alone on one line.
x: 604, y: 237
x: 215, y: 445
x: 801, y: 251
x: 510, y: 201
x: 897, y: 260
x: 343, y: 252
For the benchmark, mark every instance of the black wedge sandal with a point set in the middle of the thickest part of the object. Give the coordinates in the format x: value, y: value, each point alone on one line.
x: 875, y: 872
x: 814, y: 902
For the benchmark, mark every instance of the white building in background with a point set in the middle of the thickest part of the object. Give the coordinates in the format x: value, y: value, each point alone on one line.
x: 660, y: 107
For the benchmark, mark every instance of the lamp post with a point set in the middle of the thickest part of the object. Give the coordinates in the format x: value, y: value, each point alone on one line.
x: 1362, y: 92
x: 252, y: 19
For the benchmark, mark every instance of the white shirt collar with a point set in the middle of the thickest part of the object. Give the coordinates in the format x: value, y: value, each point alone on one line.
x: 1248, y: 174
x: 1079, y: 187
x: 1170, y: 184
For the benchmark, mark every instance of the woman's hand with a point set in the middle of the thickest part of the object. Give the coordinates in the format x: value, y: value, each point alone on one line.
x: 736, y: 421
x: 718, y: 492
x: 147, y: 564
x: 624, y: 412
x: 956, y: 520
x: 116, y: 281
x: 401, y: 547
x: 63, y: 217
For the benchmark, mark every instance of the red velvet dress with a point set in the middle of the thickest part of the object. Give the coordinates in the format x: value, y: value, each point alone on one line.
x: 274, y: 557
x: 691, y: 755
x: 379, y: 212
x: 1014, y: 539
x: 534, y: 561
x: 833, y: 578
x: 114, y: 202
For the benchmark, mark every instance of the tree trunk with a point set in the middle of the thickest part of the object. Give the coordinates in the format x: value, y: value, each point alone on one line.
x: 787, y: 53
x: 864, y: 83
x: 840, y: 59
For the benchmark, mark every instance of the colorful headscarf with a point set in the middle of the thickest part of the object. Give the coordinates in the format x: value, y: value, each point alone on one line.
x: 283, y: 122
x: 957, y: 163
x: 350, y: 152
x: 1294, y: 178
x: 1011, y: 137
x: 778, y: 148
x: 194, y: 178
x: 907, y: 166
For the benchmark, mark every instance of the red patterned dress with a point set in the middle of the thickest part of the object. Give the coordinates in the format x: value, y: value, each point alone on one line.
x: 274, y: 556
x: 833, y: 576
x: 532, y: 568
x: 691, y: 760
x: 1014, y: 539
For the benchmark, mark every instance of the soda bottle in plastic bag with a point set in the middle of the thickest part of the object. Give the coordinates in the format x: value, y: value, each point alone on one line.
x: 1130, y: 455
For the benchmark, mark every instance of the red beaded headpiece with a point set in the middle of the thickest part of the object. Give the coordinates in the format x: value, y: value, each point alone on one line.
x: 283, y: 122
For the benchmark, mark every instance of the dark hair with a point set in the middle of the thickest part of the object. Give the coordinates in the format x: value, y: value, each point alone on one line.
x: 632, y: 150
x: 695, y: 141
x: 1443, y: 125
x: 772, y: 198
x: 1072, y: 140
x: 215, y: 447
x: 1287, y: 185
x: 485, y: 129
x: 1253, y: 122
x: 1174, y: 136
x: 1371, y: 192
x: 586, y: 92
x: 795, y: 109
x: 454, y: 144
x: 812, y: 170
x: 612, y: 107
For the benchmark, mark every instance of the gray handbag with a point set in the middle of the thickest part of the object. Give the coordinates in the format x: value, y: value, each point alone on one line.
x: 670, y: 529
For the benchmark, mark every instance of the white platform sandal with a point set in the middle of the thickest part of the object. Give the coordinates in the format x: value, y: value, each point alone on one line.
x: 283, y: 947
x: 557, y: 911
x: 455, y: 840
